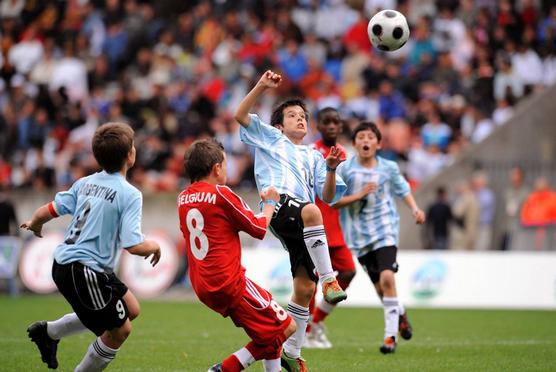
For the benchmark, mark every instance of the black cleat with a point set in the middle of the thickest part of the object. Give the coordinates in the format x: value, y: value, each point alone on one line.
x: 389, y: 345
x: 406, y: 331
x: 216, y: 368
x: 47, y: 346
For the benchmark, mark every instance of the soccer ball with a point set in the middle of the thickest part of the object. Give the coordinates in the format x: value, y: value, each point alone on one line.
x: 388, y: 30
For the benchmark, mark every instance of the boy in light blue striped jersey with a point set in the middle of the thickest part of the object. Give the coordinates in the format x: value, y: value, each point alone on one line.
x: 370, y: 223
x: 299, y: 173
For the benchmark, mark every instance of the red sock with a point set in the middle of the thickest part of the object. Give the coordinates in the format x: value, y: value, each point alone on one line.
x: 319, y: 315
x: 231, y: 364
x: 342, y: 283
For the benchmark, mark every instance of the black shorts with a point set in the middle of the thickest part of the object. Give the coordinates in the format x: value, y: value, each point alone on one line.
x: 96, y: 298
x: 375, y: 262
x: 287, y: 226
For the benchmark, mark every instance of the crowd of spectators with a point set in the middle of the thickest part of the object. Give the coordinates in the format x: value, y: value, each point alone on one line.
x: 463, y: 218
x: 176, y: 70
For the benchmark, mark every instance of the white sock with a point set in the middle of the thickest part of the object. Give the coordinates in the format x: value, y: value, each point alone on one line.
x: 293, y: 344
x: 326, y: 307
x: 272, y: 365
x: 317, y: 245
x: 401, y: 308
x: 391, y: 315
x: 97, y: 357
x: 244, y: 357
x: 67, y: 325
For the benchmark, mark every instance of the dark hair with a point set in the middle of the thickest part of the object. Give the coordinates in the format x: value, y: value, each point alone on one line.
x: 441, y: 191
x: 200, y: 157
x: 277, y: 117
x: 324, y: 111
x: 367, y: 125
x: 112, y: 143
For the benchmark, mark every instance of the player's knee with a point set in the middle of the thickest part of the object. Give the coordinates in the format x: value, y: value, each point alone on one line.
x: 311, y: 215
x: 134, y: 311
x: 117, y: 336
x: 387, y: 281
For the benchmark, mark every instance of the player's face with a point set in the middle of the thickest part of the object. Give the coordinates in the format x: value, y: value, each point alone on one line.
x: 366, y: 144
x: 295, y: 123
x: 330, y: 126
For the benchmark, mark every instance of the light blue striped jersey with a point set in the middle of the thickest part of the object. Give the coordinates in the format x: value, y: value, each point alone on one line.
x: 373, y: 222
x: 296, y: 170
x: 106, y: 213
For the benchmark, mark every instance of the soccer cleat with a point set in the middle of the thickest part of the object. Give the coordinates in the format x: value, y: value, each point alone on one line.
x: 310, y: 342
x: 216, y: 368
x: 292, y: 364
x: 389, y: 345
x: 321, y: 340
x: 47, y: 346
x: 406, y: 331
x: 332, y: 291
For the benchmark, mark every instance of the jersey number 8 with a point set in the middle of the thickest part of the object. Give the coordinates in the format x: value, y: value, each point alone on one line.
x: 198, y: 241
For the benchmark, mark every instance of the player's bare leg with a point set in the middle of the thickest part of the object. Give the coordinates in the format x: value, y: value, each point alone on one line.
x: 103, y: 350
x: 317, y: 246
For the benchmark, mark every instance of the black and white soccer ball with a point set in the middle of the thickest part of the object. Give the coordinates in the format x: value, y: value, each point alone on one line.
x: 388, y: 30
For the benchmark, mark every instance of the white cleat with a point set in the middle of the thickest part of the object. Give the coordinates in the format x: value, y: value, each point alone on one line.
x: 316, y: 338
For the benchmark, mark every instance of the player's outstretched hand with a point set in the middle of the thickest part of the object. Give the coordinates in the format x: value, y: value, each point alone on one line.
x: 270, y: 79
x: 155, y: 254
x: 35, y: 228
x: 335, y: 157
x: 369, y: 188
x: 270, y: 194
x: 419, y: 216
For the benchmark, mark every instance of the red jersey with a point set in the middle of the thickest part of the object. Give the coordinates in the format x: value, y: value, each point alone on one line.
x: 330, y: 215
x: 211, y: 217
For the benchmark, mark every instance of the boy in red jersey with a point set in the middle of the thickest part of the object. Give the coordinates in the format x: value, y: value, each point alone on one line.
x: 211, y: 216
x: 329, y: 125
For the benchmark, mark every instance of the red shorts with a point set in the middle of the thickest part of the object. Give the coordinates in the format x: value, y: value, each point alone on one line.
x: 342, y: 259
x: 262, y: 318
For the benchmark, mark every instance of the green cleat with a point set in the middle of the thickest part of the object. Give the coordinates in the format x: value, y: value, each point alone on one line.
x: 332, y: 291
x: 292, y: 364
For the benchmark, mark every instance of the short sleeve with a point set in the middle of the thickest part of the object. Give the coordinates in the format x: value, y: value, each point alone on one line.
x: 258, y: 134
x: 130, y: 229
x: 320, y: 177
x: 66, y: 201
x: 240, y: 215
x: 399, y: 183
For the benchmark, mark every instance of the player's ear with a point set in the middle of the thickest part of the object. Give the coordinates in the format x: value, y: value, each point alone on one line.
x: 217, y: 169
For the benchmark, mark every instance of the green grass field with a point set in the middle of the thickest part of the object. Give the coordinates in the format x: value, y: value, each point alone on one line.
x: 180, y: 336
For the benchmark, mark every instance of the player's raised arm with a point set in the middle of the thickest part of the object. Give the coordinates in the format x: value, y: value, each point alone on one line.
x: 268, y: 80
x: 41, y: 216
x: 334, y: 158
